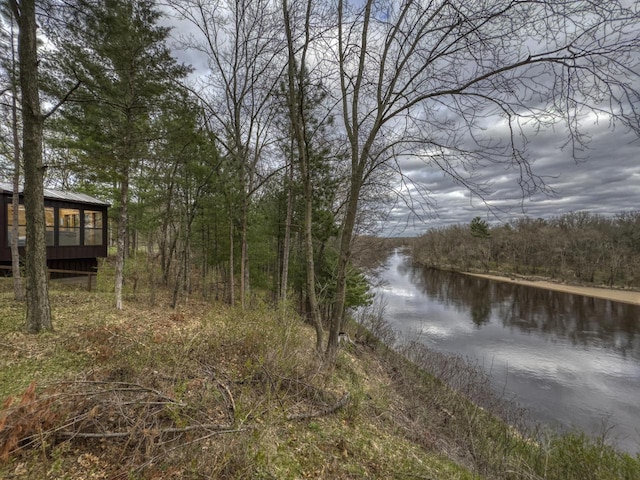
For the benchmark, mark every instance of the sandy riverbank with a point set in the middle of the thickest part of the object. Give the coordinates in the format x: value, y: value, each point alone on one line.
x: 625, y: 296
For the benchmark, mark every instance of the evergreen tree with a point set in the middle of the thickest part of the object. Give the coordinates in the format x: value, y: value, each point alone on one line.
x: 118, y: 53
x: 479, y: 228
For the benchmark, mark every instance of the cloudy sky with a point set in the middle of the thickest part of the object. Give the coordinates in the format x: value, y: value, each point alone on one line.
x: 604, y: 180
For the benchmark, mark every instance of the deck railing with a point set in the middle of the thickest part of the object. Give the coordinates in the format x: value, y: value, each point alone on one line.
x: 76, y: 273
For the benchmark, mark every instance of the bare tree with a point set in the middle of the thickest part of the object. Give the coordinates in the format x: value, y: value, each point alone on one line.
x: 10, y: 65
x: 242, y: 48
x: 297, y: 86
x: 425, y: 79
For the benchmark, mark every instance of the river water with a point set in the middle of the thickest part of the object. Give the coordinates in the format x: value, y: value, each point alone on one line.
x: 572, y: 361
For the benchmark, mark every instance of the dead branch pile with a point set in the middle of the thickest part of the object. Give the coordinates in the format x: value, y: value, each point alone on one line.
x: 138, y: 418
x: 129, y: 410
x: 140, y: 421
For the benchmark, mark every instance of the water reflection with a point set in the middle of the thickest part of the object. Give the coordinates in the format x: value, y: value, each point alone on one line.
x: 571, y: 360
x: 584, y: 321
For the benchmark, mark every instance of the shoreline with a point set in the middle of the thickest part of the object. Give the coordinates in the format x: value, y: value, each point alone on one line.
x: 624, y: 296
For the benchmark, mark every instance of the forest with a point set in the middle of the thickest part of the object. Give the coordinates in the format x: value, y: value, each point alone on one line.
x: 245, y: 145
x: 577, y: 247
x: 251, y: 151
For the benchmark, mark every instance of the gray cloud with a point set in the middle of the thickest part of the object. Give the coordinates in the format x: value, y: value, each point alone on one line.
x: 604, y: 180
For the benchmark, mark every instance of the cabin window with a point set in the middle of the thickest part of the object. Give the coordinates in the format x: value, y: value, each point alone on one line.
x: 22, y: 225
x: 92, y: 227
x: 49, y: 224
x: 69, y: 226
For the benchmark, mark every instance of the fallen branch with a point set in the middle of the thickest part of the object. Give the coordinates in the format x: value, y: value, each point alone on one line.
x: 121, y: 387
x: 194, y: 441
x: 15, y: 347
x: 226, y: 392
x: 321, y: 413
x: 210, y: 427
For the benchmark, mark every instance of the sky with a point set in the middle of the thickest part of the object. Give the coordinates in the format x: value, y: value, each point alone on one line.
x: 604, y: 180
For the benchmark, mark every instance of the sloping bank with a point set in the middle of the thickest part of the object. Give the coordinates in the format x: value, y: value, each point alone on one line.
x: 453, y: 401
x: 209, y: 391
x: 625, y: 296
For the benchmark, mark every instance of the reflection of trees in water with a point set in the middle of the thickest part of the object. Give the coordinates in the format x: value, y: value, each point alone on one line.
x: 465, y: 294
x: 583, y: 320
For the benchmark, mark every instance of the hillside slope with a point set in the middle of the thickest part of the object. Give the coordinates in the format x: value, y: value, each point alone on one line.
x: 208, y: 391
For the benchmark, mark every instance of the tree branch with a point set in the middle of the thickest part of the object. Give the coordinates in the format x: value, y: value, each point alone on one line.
x: 342, y: 402
x: 63, y: 100
x: 212, y: 427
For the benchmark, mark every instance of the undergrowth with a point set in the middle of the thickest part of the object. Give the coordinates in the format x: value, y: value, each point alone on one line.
x: 210, y: 391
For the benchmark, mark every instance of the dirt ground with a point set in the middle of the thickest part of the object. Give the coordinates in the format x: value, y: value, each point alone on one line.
x: 626, y: 296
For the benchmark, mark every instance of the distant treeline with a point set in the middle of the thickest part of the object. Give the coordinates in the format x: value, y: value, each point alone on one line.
x: 369, y: 252
x: 576, y: 247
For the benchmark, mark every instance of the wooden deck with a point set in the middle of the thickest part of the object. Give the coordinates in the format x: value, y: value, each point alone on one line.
x: 69, y: 273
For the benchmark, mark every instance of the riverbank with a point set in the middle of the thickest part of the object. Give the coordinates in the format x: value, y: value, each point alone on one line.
x: 568, y: 359
x: 625, y: 296
x: 210, y: 391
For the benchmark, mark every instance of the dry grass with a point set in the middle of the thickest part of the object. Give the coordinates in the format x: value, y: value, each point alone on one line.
x: 202, y: 391
x: 209, y: 391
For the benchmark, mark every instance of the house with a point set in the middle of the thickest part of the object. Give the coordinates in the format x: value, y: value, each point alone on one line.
x: 76, y: 229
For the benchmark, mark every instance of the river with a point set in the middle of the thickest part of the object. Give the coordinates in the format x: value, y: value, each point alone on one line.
x: 570, y: 360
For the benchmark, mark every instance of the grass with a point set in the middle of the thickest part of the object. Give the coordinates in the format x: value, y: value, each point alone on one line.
x: 210, y: 391
x: 26, y: 358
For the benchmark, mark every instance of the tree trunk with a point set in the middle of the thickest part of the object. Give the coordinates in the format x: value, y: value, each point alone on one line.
x: 166, y: 252
x: 186, y: 260
x: 343, y: 263
x: 296, y: 103
x: 203, y: 261
x: 151, y: 269
x: 232, y: 298
x: 311, y: 269
x: 18, y: 287
x: 122, y: 235
x: 183, y: 274
x: 38, y: 308
x: 286, y: 248
x: 178, y: 282
x: 244, y: 259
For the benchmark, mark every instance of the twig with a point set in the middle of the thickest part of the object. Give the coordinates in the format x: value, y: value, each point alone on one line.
x: 124, y: 387
x: 210, y: 427
x: 191, y: 442
x: 64, y: 99
x: 15, y: 347
x: 321, y: 413
x: 273, y: 385
x: 231, y: 404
